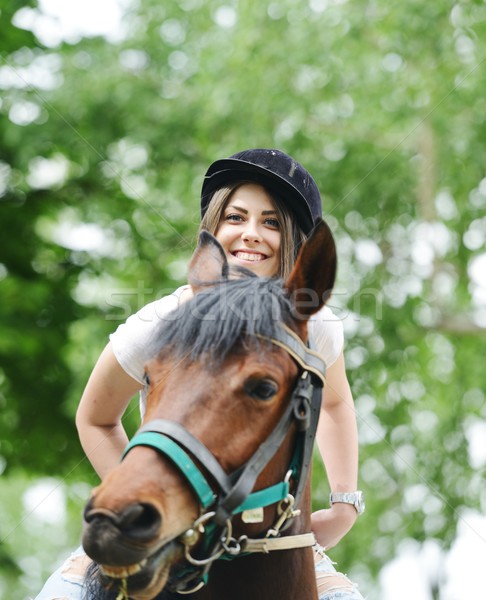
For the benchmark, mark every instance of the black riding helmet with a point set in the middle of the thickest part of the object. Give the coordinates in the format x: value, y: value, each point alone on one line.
x: 275, y: 170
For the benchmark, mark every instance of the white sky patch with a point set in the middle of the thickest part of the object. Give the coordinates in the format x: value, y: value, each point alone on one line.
x: 477, y: 196
x: 83, y: 236
x: 476, y: 437
x: 435, y: 236
x: 477, y: 288
x: 58, y: 21
x: 5, y: 174
x: 444, y: 283
x: 371, y: 431
x: 318, y: 6
x: 334, y: 151
x: 103, y: 291
x: 368, y: 252
x: 422, y: 253
x: 416, y: 567
x: 70, y: 231
x: 24, y: 113
x: 392, y: 62
x: 226, y: 17
x: 477, y: 270
x: 40, y: 72
x: 128, y: 155
x: 446, y: 205
x: 178, y: 60
x: 414, y: 496
x: 134, y: 186
x: 134, y: 60
x: 464, y: 566
x: 46, y: 501
x: 47, y: 173
x: 408, y: 575
x: 475, y: 236
x: 173, y: 32
x: 177, y: 269
x: 350, y: 323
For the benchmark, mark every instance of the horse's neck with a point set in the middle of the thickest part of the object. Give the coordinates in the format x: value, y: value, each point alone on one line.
x: 283, y: 575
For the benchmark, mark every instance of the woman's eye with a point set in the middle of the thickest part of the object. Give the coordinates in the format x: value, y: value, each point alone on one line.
x: 261, y: 389
x: 273, y: 223
x: 234, y: 217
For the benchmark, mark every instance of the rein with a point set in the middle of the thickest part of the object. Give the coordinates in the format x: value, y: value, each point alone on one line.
x: 234, y: 491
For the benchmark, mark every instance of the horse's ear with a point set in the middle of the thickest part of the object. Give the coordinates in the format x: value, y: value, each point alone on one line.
x: 312, y: 279
x: 208, y: 263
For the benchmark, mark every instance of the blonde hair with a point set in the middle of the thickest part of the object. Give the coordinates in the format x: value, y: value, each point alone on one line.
x: 292, y: 236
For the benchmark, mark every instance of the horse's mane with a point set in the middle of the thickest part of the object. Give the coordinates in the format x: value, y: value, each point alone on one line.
x: 209, y: 325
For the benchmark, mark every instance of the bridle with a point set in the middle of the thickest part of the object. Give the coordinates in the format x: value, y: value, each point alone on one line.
x: 232, y: 494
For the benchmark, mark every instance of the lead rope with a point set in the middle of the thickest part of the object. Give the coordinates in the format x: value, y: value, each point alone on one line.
x: 123, y: 593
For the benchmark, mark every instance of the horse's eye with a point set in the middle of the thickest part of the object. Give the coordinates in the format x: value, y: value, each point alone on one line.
x: 261, y: 389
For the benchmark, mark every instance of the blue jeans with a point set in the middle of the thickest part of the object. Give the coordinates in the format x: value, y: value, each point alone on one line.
x: 67, y: 582
x: 331, y: 584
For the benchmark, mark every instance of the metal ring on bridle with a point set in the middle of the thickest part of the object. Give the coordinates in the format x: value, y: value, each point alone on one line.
x: 199, y: 526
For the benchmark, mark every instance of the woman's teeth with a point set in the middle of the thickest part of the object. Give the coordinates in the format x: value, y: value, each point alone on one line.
x: 250, y: 256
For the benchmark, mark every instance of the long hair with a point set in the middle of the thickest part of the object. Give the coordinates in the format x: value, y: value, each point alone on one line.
x: 292, y: 236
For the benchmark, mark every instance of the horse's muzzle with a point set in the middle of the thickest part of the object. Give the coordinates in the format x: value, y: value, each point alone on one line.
x: 127, y: 547
x: 120, y: 538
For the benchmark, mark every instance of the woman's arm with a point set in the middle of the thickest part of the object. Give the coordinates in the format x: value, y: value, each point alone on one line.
x: 98, y: 419
x: 337, y: 439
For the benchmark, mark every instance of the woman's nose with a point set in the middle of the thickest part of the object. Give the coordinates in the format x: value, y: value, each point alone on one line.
x: 251, y: 233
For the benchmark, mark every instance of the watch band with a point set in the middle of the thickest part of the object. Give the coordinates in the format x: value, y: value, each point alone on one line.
x: 354, y: 498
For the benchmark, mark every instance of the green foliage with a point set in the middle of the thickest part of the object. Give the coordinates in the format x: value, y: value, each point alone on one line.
x: 383, y: 102
x: 35, y: 542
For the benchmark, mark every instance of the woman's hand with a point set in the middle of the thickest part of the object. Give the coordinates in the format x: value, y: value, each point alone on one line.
x: 330, y: 525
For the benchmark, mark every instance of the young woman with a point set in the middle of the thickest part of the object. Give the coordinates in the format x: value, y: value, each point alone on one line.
x: 260, y: 204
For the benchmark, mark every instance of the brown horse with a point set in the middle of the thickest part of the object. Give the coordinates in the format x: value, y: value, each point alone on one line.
x: 205, y: 499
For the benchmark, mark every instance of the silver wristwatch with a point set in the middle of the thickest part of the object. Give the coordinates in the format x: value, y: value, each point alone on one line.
x: 354, y: 498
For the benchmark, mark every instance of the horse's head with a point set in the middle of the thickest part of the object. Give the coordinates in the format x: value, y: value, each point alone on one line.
x: 230, y: 388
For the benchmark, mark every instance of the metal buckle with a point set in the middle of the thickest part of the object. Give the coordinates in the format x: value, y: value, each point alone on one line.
x: 286, y: 513
x: 189, y: 538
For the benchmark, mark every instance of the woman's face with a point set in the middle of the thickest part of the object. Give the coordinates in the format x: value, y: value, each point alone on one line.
x: 249, y: 230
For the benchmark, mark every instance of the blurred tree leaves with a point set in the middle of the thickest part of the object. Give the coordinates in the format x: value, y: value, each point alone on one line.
x: 103, y: 150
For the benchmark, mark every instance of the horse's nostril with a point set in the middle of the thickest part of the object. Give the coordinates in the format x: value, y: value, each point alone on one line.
x: 131, y: 515
x: 141, y: 521
x: 138, y: 521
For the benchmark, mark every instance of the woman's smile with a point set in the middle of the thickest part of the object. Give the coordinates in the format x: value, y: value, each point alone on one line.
x: 249, y: 256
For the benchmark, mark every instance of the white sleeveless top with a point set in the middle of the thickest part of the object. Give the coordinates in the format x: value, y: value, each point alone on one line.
x: 130, y: 340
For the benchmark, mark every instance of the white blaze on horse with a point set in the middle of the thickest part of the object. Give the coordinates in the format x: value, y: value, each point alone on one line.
x: 212, y: 497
